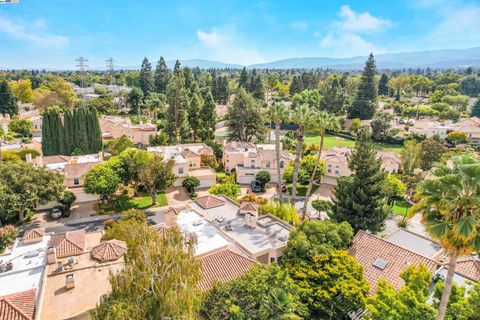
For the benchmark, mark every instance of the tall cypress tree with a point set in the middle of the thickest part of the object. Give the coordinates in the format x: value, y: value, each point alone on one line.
x: 244, y: 79
x: 69, y: 131
x: 81, y: 133
x: 96, y: 134
x: 59, y: 133
x: 177, y: 118
x: 47, y: 138
x: 208, y: 117
x: 145, y: 80
x: 162, y: 75
x: 383, y: 85
x: 8, y: 104
x: 365, y: 102
x: 360, y: 198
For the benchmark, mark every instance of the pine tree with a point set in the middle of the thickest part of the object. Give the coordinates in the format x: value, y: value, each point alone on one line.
x: 475, y: 112
x: 8, y: 104
x: 190, y: 83
x: 296, y: 86
x: 145, y: 80
x: 258, y: 90
x: 162, y: 75
x: 195, y: 107
x: 383, y: 85
x: 208, y: 118
x: 360, y: 199
x: 177, y: 118
x: 223, y: 90
x: 365, y: 102
x: 244, y: 79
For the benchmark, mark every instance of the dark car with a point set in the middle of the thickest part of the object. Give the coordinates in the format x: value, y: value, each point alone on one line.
x: 284, y: 188
x: 256, y: 186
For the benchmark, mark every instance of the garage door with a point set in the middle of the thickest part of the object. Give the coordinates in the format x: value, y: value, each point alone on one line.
x: 207, y: 182
x: 245, y: 179
x: 329, y: 180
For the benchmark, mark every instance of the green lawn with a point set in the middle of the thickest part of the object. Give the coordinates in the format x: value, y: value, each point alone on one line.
x: 301, y: 189
x: 146, y: 201
x: 334, y: 141
x: 120, y: 203
x: 400, y: 207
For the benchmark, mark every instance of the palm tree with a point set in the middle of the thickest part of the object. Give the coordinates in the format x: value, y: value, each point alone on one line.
x: 450, y: 207
x: 323, y: 121
x: 278, y: 113
x: 278, y: 305
x: 155, y: 102
x: 303, y: 116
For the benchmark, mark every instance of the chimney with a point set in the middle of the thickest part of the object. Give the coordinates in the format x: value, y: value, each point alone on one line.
x: 69, y: 281
x: 73, y: 161
x: 100, y: 156
x: 51, y: 255
x: 28, y: 158
x: 251, y: 219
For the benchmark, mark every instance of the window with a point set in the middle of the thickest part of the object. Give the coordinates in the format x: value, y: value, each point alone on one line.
x: 252, y: 163
x: 329, y: 168
x: 76, y: 181
x: 268, y: 164
x: 180, y: 170
x: 282, y: 164
x: 272, y: 259
x: 337, y: 170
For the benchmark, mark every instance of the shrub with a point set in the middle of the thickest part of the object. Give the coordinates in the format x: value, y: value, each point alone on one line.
x: 67, y: 199
x: 263, y: 177
x: 229, y: 189
x: 251, y: 197
x: 283, y: 210
x: 322, y: 205
x: 23, y: 153
x: 108, y: 223
x: 190, y: 183
x: 457, y: 137
x: 207, y: 160
x: 8, y: 234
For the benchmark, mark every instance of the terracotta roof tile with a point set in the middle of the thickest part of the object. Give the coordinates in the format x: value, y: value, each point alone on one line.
x: 248, y: 207
x: 162, y: 229
x: 34, y: 234
x: 469, y: 267
x: 367, y: 248
x: 223, y: 265
x: 189, y: 153
x: 18, y: 306
x: 209, y: 201
x: 109, y: 250
x: 69, y: 243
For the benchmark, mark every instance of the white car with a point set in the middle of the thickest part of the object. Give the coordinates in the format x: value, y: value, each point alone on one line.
x: 56, y: 213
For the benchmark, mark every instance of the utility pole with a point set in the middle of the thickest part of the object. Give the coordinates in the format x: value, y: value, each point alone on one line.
x: 82, y: 66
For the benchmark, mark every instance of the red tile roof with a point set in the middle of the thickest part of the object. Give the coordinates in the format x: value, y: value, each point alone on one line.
x: 209, y: 201
x: 222, y: 265
x: 109, y: 250
x: 69, y: 243
x: 469, y: 267
x: 34, y: 234
x: 248, y: 207
x: 18, y: 306
x: 367, y: 248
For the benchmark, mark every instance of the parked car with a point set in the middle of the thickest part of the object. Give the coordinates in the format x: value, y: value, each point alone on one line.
x: 284, y: 188
x: 56, y: 213
x: 256, y: 186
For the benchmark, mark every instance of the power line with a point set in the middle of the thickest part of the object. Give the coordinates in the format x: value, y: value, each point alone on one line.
x: 82, y: 66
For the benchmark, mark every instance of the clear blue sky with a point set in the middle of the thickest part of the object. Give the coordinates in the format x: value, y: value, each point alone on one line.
x: 52, y: 33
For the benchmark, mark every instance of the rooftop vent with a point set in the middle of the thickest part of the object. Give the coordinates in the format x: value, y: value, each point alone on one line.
x: 380, y: 263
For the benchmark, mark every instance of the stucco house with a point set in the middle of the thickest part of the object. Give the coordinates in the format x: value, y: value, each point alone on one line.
x: 249, y: 159
x: 187, y: 159
x: 336, y: 163
x: 114, y: 127
x: 471, y: 126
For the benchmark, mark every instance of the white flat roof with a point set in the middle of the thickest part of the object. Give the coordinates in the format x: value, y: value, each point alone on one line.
x: 28, y: 264
x: 208, y: 237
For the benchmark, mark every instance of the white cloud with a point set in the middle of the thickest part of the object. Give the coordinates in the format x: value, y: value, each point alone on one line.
x: 347, y: 45
x: 34, y: 33
x: 227, y: 45
x: 299, y: 26
x: 360, y: 22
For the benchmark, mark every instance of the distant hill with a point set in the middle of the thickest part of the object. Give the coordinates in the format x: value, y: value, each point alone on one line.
x: 204, y: 64
x: 448, y: 58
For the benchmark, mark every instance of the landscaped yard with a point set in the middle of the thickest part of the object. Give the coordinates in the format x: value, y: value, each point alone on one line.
x: 302, y: 189
x: 334, y: 141
x: 400, y: 207
x: 120, y: 203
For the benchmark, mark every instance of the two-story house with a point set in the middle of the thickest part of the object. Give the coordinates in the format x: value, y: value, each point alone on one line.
x: 249, y: 159
x: 115, y: 127
x: 336, y: 163
x: 187, y: 159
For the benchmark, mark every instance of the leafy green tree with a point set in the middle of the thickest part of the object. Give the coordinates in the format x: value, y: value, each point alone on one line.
x: 365, y: 102
x: 360, y: 198
x: 355, y: 126
x: 228, y: 189
x: 304, y: 117
x: 155, y: 104
x: 323, y: 122
x: 409, y: 302
x: 457, y: 137
x: 410, y: 156
x: 8, y: 104
x: 22, y: 90
x: 245, y: 118
x: 22, y: 127
x: 156, y: 175
x: 145, y: 80
x: 101, y: 180
x: 103, y: 104
x: 394, y: 188
x: 118, y: 145
x: 334, y: 98
x: 23, y: 188
x: 278, y: 113
x: 312, y: 98
x: 244, y: 80
x: 475, y: 112
x: 134, y: 99
x: 383, y: 85
x: 283, y: 210
x: 208, y: 117
x: 178, y: 103
x: 331, y: 285
x: 258, y: 88
x: 381, y: 124
x: 131, y: 161
x: 313, y: 238
x: 67, y: 199
x: 190, y: 183
x: 194, y: 111
x: 450, y: 206
x: 160, y: 139
x: 263, y: 177
x: 305, y: 171
x: 162, y: 76
x: 296, y: 86
x: 431, y: 152
x: 137, y: 293
x: 265, y: 292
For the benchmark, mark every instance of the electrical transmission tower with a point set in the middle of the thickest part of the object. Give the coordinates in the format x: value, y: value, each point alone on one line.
x: 82, y: 66
x: 110, y: 69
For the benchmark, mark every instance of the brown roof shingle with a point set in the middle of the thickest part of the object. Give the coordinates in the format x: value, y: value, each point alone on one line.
x: 367, y: 248
x: 248, y: 207
x: 469, y: 267
x: 68, y: 243
x: 34, y: 234
x: 222, y: 265
x: 109, y: 250
x: 209, y: 201
x: 18, y: 306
